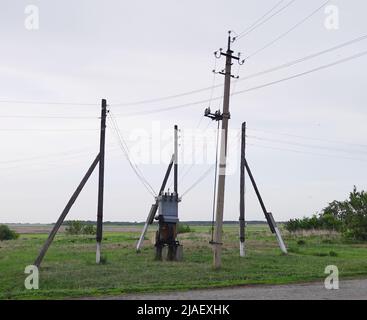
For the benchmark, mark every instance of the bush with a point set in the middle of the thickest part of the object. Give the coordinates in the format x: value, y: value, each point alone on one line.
x: 183, y: 228
x: 77, y: 227
x: 333, y: 254
x: 89, y: 229
x: 348, y: 217
x: 321, y: 222
x: 301, y: 242
x: 7, y: 234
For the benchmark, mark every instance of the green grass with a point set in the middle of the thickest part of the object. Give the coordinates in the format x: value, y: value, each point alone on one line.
x: 69, y: 268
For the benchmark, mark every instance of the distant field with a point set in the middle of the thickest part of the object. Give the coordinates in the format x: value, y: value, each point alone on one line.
x: 69, y: 268
x: 44, y: 228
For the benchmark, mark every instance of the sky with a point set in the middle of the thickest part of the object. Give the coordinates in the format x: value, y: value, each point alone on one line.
x: 305, y: 137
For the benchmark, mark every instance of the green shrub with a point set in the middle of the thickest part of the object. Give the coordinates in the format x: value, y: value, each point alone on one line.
x: 77, y: 227
x: 89, y: 229
x: 348, y: 217
x: 301, y: 242
x: 333, y: 254
x: 183, y: 228
x: 7, y: 234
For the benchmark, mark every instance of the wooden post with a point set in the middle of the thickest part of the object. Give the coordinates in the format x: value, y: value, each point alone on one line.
x: 65, y: 212
x: 101, y: 181
x: 268, y: 215
x: 242, y: 191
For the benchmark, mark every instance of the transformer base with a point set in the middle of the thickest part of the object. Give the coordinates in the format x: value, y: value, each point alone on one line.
x: 173, y: 252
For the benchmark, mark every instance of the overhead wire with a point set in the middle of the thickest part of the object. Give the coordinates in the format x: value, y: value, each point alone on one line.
x: 47, y: 102
x: 205, y: 174
x: 261, y: 18
x: 306, y: 145
x: 288, y: 31
x: 297, y: 75
x: 133, y: 103
x: 308, y: 138
x: 185, y: 172
x: 255, y: 26
x: 307, y: 152
x: 125, y: 150
x: 45, y: 117
x: 254, y: 75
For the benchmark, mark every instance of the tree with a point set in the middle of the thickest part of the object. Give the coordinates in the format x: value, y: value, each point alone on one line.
x: 7, y: 234
x: 348, y: 217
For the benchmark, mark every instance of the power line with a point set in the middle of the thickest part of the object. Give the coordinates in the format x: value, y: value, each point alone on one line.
x: 70, y: 157
x: 64, y: 155
x: 288, y: 31
x: 309, y: 57
x: 254, y: 75
x: 133, y: 165
x: 304, y: 73
x: 307, y: 152
x: 125, y: 150
x: 56, y: 154
x: 306, y: 145
x: 309, y: 138
x: 261, y: 18
x: 48, y: 103
x: 201, y: 178
x: 158, y: 110
x: 186, y: 171
x: 179, y: 95
x: 48, y: 130
x: 256, y: 25
x: 213, y: 166
x: 45, y: 117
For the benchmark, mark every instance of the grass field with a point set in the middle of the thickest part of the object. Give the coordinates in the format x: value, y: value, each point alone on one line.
x: 69, y: 268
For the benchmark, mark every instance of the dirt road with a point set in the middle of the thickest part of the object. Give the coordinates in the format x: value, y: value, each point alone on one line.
x: 348, y: 289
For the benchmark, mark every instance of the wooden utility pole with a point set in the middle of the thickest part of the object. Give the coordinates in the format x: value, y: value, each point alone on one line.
x: 65, y: 212
x: 101, y: 180
x: 99, y: 159
x: 242, y: 191
x: 268, y: 215
x: 217, y: 243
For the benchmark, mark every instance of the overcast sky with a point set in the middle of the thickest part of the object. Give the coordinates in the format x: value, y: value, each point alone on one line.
x: 306, y: 136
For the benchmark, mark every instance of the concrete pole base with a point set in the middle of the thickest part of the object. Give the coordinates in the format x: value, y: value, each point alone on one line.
x: 98, y: 253
x: 242, y: 249
x: 280, y: 241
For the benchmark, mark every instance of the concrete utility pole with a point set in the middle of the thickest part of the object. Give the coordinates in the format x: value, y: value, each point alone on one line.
x: 101, y: 180
x: 217, y: 243
x: 242, y: 191
x: 175, y: 167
